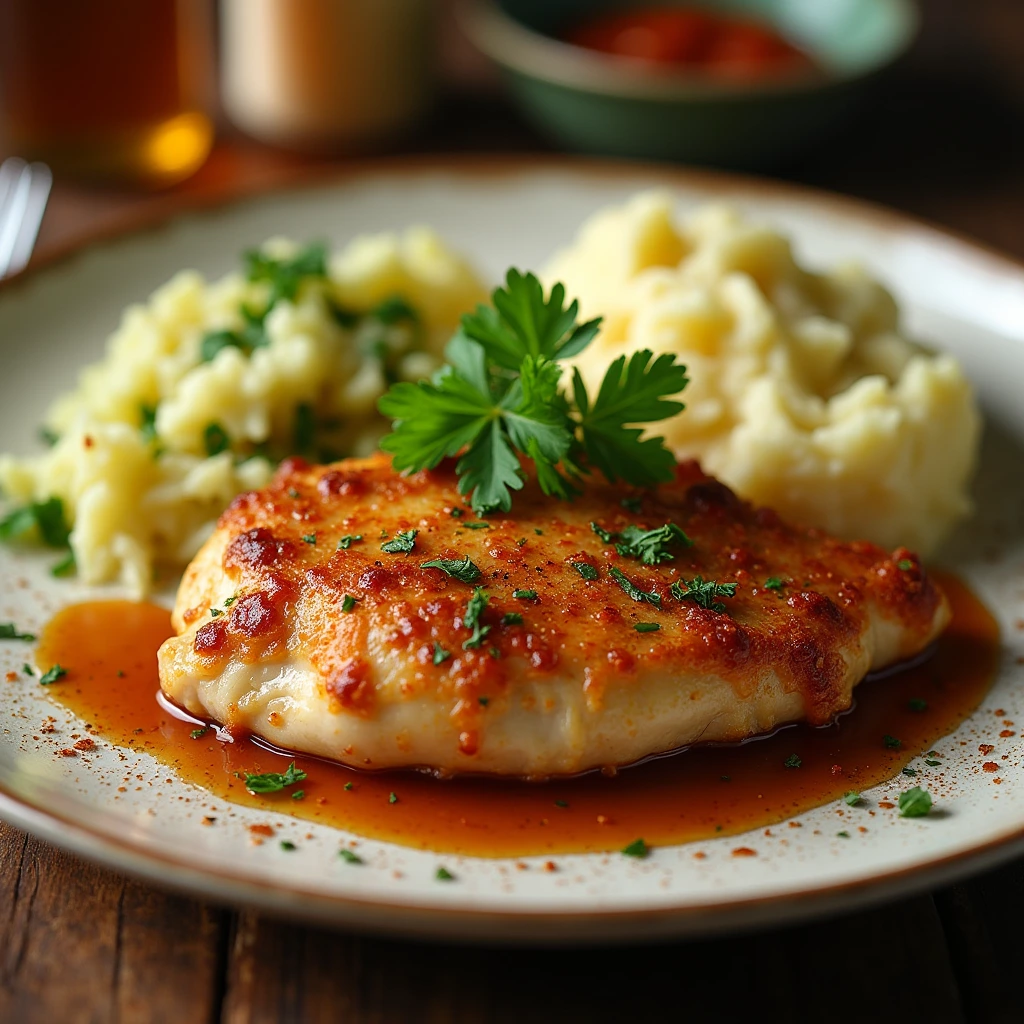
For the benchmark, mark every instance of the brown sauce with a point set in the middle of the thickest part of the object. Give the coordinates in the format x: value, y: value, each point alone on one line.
x: 109, y: 650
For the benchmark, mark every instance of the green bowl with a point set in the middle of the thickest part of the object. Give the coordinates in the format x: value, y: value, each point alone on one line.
x: 598, y: 103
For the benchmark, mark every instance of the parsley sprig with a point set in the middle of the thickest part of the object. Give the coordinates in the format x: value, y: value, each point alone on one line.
x: 500, y: 397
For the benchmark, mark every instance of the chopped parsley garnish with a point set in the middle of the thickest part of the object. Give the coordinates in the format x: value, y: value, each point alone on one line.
x: 905, y: 564
x: 561, y: 803
x: 774, y: 583
x: 477, y: 526
x: 908, y: 771
x: 9, y: 631
x: 348, y: 602
x: 444, y: 875
x: 843, y: 835
x: 45, y: 518
x: 483, y: 701
x: 932, y: 764
x: 512, y: 619
x: 631, y: 505
x: 585, y: 569
x: 456, y: 512
x: 538, y: 531
x: 349, y: 857
x: 632, y: 590
x: 348, y: 540
x: 471, y: 620
x: 852, y: 798
x: 891, y: 742
x: 440, y: 654
x: 299, y: 794
x: 309, y: 538
x: 65, y: 566
x: 288, y: 846
x: 525, y: 595
x: 27, y: 669
x: 349, y: 786
x: 520, y: 542
x: 501, y: 393
x: 215, y: 439
x: 274, y: 782
x: 198, y: 734
x: 915, y: 803
x: 214, y: 612
x: 917, y: 704
x: 703, y: 592
x: 147, y: 422
x: 294, y: 494
x: 793, y: 761
x: 649, y: 546
x: 647, y: 627
x: 461, y: 569
x: 402, y: 543
x: 494, y: 653
x: 229, y: 601
x: 638, y: 848
x: 286, y: 275
x: 52, y: 674
x: 392, y: 798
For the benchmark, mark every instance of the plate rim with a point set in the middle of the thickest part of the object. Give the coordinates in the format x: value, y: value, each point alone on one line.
x: 504, y: 926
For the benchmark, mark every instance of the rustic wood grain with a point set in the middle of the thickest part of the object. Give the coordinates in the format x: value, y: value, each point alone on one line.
x: 78, y: 943
x: 849, y: 969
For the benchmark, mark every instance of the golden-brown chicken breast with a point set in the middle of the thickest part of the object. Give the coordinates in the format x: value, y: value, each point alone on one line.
x: 551, y: 639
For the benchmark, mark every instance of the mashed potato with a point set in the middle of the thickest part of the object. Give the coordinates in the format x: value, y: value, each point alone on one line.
x: 199, y: 395
x: 804, y: 395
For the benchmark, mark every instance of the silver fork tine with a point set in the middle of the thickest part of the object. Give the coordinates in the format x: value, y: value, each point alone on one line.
x: 40, y: 181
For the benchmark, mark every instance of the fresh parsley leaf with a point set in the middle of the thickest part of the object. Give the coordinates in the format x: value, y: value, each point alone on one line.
x: 299, y: 794
x: 632, y: 590
x: 216, y: 439
x: 917, y: 704
x: 793, y: 761
x: 471, y: 620
x: 402, y: 543
x: 647, y: 627
x: 773, y: 583
x: 476, y: 526
x: 52, y: 674
x: 348, y: 603
x: 440, y: 654
x: 274, y: 782
x: 606, y: 535
x: 915, y: 803
x: 309, y: 538
x: 215, y: 612
x: 891, y: 742
x: 286, y: 275
x: 585, y: 569
x: 852, y: 798
x: 288, y: 846
x: 45, y: 518
x: 392, y: 798
x: 511, y: 619
x: 349, y: 787
x: 9, y: 631
x: 349, y: 857
x: 444, y: 875
x: 651, y: 546
x: 525, y: 595
x: 65, y: 567
x: 638, y: 848
x: 393, y: 310
x: 631, y: 393
x: 703, y: 592
x: 461, y: 569
x: 348, y: 540
x: 198, y: 734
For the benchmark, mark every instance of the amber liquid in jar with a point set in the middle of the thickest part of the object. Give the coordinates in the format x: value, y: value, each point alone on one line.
x: 108, y: 90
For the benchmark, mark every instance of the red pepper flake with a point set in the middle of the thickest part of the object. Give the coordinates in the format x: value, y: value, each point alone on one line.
x: 998, y: 781
x: 795, y: 824
x: 86, y: 744
x: 12, y: 677
x: 744, y: 851
x: 262, y: 830
x: 699, y: 855
x: 990, y: 766
x: 999, y: 713
x: 550, y: 865
x: 887, y: 804
x: 68, y: 752
x: 1007, y: 732
x: 986, y: 748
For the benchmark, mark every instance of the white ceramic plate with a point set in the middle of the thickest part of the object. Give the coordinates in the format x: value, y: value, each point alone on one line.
x: 956, y: 296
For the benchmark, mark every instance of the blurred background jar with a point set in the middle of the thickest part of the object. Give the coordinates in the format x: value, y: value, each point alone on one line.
x: 115, y: 91
x: 326, y: 75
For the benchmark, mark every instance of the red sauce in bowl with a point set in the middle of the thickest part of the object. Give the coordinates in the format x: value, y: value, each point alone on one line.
x: 687, y: 39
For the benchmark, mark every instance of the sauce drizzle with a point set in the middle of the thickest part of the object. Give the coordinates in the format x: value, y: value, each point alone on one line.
x: 109, y: 649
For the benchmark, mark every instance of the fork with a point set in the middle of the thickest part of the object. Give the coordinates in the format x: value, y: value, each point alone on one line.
x: 24, y: 190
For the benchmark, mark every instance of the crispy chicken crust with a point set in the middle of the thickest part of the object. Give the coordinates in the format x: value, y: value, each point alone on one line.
x: 364, y: 656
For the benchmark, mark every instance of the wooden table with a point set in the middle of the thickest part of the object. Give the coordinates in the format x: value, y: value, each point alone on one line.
x: 79, y: 943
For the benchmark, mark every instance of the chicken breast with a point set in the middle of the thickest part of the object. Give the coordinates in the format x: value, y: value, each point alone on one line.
x: 311, y: 619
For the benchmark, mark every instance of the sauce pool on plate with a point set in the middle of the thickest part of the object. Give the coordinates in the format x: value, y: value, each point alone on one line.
x: 109, y: 651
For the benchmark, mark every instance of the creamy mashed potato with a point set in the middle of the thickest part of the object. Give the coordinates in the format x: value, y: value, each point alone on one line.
x: 193, y: 403
x: 804, y: 394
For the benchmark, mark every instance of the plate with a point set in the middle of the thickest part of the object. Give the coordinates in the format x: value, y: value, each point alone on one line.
x: 956, y: 296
